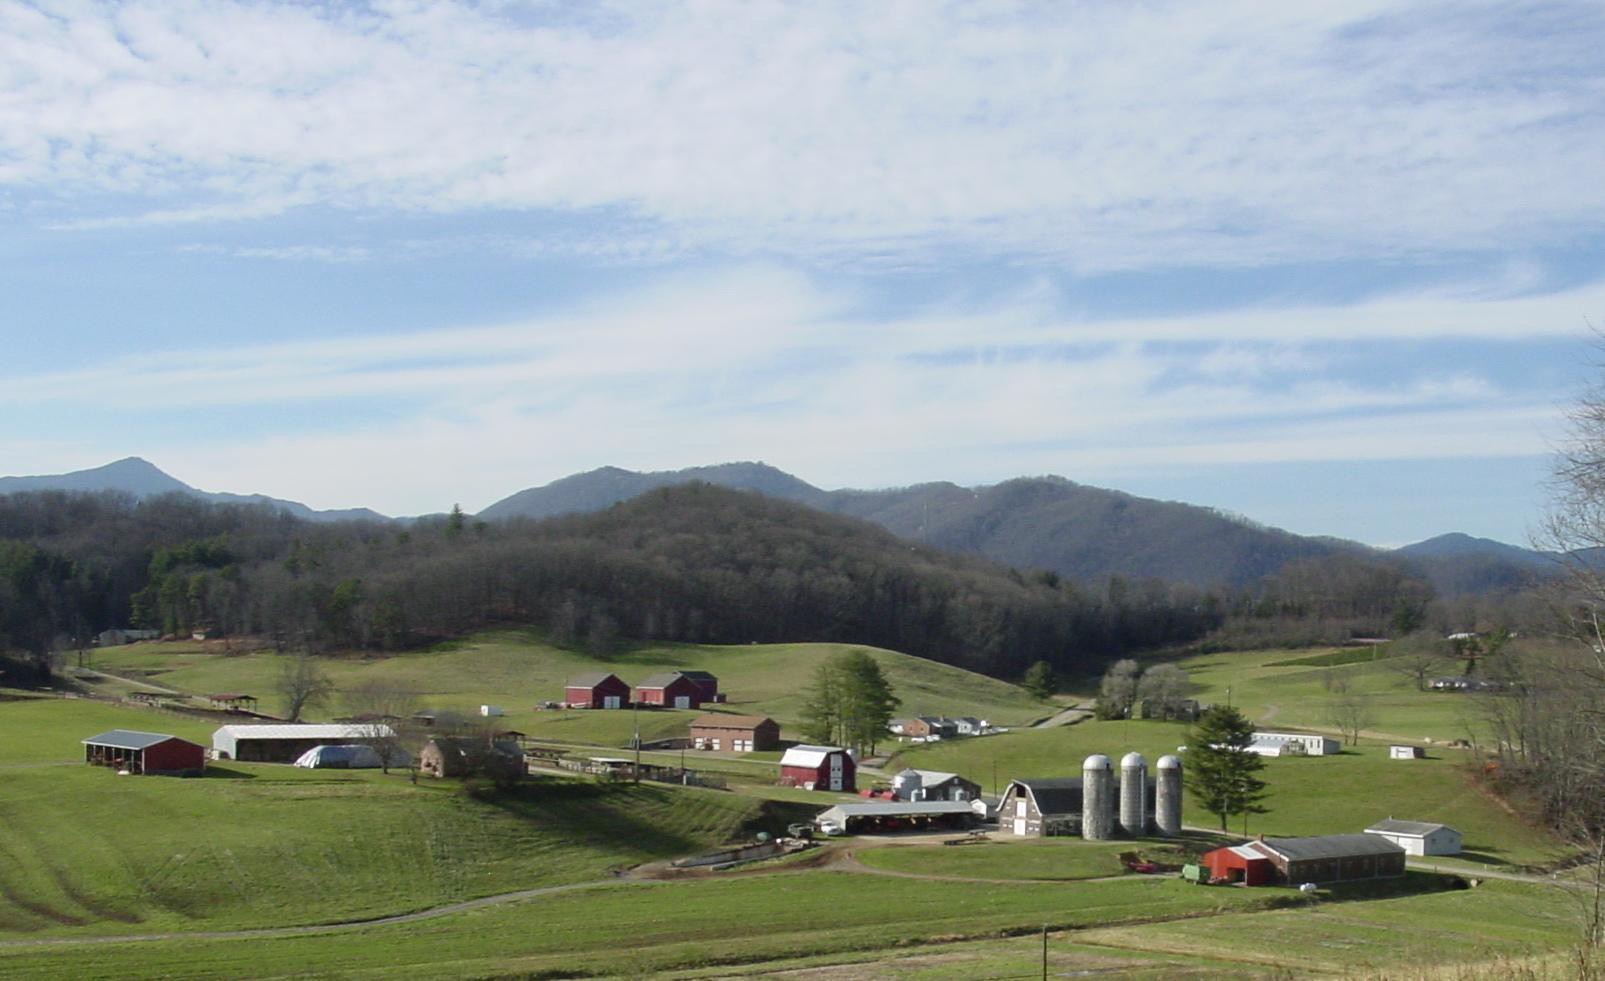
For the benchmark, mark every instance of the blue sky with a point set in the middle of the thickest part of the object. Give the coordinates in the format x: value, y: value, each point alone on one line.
x: 1331, y: 266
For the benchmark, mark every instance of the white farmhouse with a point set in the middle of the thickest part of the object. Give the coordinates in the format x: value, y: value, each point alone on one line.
x: 1418, y: 837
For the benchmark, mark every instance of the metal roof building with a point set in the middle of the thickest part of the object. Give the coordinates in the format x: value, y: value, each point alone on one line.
x: 285, y: 743
x: 145, y: 752
x: 1418, y: 837
x: 899, y: 815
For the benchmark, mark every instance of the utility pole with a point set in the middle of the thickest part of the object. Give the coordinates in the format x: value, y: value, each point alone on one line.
x: 1044, y: 952
x: 635, y: 709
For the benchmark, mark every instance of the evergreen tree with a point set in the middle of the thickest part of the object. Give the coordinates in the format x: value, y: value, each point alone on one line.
x: 1040, y: 680
x: 1221, y: 772
x: 850, y: 702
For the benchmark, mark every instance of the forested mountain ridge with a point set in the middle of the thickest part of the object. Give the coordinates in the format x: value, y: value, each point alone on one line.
x: 687, y: 563
x: 1049, y: 523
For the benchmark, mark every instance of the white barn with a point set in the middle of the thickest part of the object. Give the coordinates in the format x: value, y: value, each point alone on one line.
x: 1418, y: 837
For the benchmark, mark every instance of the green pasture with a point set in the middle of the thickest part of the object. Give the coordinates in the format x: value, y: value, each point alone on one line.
x: 1308, y: 795
x: 518, y: 671
x: 1291, y: 689
x: 1044, y: 859
x: 649, y: 928
x: 1496, y: 920
x: 39, y: 730
x: 87, y: 851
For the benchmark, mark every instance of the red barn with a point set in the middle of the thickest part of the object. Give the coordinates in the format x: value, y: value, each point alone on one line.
x: 671, y: 689
x: 1240, y: 863
x: 145, y: 752
x: 818, y: 768
x: 597, y: 690
x: 708, y: 684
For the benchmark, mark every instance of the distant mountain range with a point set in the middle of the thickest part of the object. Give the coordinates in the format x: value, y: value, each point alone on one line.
x: 142, y: 479
x: 1050, y: 523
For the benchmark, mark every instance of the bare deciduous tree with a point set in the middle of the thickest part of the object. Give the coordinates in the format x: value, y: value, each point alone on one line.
x: 1349, y: 709
x: 303, y: 684
x: 1118, y: 690
x: 383, y: 711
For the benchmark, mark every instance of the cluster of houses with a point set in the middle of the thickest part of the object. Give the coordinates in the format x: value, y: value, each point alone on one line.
x: 666, y: 689
x: 929, y: 728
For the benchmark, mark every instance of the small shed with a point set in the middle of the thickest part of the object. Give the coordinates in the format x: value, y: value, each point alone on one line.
x: 597, y: 689
x: 1418, y: 837
x: 818, y: 768
x: 1406, y: 753
x: 152, y: 753
x: 233, y: 701
x: 734, y: 733
x: 1240, y: 863
x: 669, y: 689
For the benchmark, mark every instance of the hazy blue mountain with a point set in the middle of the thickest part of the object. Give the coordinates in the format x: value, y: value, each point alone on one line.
x: 1457, y: 564
x: 1034, y: 523
x: 140, y: 479
x: 597, y: 489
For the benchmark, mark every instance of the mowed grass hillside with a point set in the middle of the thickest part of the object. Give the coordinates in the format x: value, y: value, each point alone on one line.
x: 1282, y: 688
x: 518, y: 671
x: 1308, y: 795
x: 85, y: 850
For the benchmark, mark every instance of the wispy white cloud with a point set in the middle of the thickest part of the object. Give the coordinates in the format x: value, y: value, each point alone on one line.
x: 1101, y: 135
x: 762, y: 363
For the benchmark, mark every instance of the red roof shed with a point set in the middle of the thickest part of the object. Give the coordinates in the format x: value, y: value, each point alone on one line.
x: 597, y: 690
x: 1240, y: 863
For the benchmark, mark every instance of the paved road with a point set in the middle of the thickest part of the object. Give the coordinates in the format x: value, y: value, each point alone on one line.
x: 1066, y: 717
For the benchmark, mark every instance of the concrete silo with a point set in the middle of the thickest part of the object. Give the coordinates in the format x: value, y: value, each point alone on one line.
x: 1097, y: 799
x: 1167, y: 803
x: 1133, y: 795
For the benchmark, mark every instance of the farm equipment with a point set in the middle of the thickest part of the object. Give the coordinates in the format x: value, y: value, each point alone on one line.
x: 1196, y: 874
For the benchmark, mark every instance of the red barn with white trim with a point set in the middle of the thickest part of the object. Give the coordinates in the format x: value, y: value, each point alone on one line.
x: 818, y: 768
x: 598, y: 690
x: 670, y: 689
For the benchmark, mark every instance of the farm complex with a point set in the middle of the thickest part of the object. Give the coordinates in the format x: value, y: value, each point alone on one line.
x: 714, y: 806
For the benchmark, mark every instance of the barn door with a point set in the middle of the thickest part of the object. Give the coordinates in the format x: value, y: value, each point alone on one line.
x: 1019, y: 827
x: 610, y: 701
x: 835, y: 771
x: 682, y: 701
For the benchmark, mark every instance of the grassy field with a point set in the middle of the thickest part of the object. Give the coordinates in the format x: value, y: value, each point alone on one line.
x: 518, y: 671
x: 638, y: 929
x: 1043, y: 859
x: 84, y: 850
x: 1290, y: 689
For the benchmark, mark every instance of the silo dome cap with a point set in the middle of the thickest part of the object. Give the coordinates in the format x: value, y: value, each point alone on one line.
x: 1097, y: 761
x: 1170, y: 763
x: 1131, y: 760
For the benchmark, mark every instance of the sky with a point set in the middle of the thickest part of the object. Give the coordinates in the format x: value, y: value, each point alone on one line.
x: 1334, y: 267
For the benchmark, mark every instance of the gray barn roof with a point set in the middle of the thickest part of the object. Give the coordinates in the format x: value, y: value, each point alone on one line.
x: 1331, y: 846
x: 1413, y: 829
x: 1055, y: 795
x: 127, y: 739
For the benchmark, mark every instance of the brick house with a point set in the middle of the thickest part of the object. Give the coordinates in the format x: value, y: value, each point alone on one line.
x: 734, y: 733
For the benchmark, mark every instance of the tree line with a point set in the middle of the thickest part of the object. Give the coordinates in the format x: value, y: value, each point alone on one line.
x: 692, y: 563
